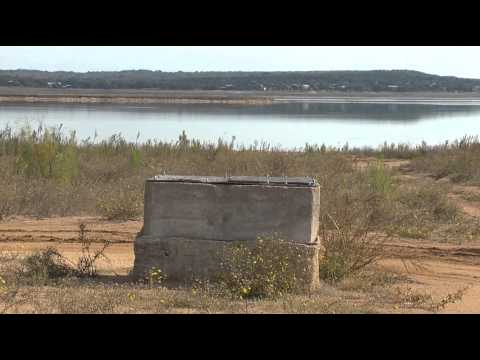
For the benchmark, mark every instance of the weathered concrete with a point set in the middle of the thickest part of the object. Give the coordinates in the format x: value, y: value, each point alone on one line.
x: 188, y: 224
x: 231, y: 212
x: 184, y: 260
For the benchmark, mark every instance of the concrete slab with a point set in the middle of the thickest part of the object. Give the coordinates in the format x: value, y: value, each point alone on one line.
x: 222, y: 212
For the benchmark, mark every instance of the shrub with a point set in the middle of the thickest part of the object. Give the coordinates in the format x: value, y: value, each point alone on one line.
x: 7, y: 201
x: 348, y: 249
x: 43, y: 266
x: 427, y: 201
x: 47, y: 153
x: 270, y: 268
x: 125, y: 204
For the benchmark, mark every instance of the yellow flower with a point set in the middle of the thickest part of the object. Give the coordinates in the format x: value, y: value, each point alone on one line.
x: 245, y: 290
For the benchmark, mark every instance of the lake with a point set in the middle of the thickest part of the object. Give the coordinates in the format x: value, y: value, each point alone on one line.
x: 286, y: 124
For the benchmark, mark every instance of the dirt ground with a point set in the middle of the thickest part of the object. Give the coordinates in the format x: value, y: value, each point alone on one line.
x: 430, y: 267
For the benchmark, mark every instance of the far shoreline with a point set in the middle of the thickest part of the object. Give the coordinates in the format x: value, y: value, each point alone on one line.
x: 19, y: 95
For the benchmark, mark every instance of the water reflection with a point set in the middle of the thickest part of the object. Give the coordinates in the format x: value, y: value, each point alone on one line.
x: 286, y: 124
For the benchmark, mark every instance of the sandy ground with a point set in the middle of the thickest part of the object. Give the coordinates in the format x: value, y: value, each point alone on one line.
x: 436, y: 269
x: 24, y: 235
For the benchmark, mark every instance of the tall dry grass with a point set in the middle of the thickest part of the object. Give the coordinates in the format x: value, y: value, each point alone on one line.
x: 46, y: 172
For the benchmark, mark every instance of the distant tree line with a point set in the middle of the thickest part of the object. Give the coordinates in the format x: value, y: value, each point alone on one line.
x: 377, y: 80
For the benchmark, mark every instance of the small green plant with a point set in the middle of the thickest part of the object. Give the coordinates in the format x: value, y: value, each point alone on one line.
x: 379, y: 179
x: 135, y: 158
x: 155, y: 277
x: 270, y: 267
x: 3, y: 285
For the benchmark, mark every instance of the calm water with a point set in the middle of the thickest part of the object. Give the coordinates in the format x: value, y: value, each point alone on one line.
x: 286, y: 124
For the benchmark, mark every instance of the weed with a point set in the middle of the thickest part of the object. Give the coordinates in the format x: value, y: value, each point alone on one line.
x: 449, y: 299
x: 409, y: 232
x: 3, y: 285
x: 270, y: 267
x: 8, y: 296
x: 155, y: 277
x: 86, y: 263
x: 410, y: 297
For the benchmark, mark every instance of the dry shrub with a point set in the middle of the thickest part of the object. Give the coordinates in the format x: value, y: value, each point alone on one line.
x: 430, y: 199
x: 124, y: 204
x: 86, y: 263
x: 349, y: 248
x: 41, y: 267
x: 46, y: 266
x: 420, y: 208
x: 7, y: 201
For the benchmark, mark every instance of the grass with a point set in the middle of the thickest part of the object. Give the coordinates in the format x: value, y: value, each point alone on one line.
x: 459, y: 161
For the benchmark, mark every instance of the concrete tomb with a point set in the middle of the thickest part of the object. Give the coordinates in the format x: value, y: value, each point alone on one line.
x: 188, y: 219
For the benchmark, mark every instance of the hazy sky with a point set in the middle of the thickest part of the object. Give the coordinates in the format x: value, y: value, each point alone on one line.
x: 447, y: 60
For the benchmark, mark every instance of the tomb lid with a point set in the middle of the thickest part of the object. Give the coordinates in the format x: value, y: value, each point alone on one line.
x: 239, y: 180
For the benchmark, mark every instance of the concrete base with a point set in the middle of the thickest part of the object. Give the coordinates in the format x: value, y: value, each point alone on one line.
x: 184, y: 260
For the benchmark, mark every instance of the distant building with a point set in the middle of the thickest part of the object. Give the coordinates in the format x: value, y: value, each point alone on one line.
x: 338, y: 86
x: 227, y: 87
x: 54, y: 84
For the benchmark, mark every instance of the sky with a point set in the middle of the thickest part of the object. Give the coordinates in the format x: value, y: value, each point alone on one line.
x: 461, y: 61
